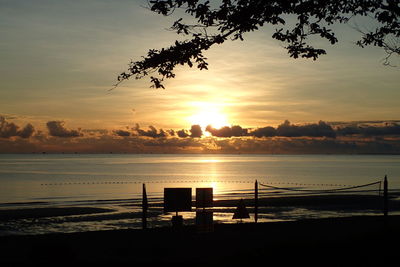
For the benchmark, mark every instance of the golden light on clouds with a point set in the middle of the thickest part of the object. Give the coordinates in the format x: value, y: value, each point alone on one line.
x: 205, y: 113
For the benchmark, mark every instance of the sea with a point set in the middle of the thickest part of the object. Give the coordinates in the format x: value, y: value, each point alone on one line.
x: 115, y: 182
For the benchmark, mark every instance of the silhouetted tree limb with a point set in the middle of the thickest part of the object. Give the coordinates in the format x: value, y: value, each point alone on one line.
x: 233, y: 18
x: 390, y: 42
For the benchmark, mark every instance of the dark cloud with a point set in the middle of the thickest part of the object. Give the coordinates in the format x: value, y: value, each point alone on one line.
x: 122, y: 133
x: 56, y: 128
x: 227, y: 131
x: 287, y: 138
x: 10, y: 129
x: 313, y: 130
x: 139, y: 144
x: 286, y: 129
x: 264, y: 132
x: 171, y: 132
x: 182, y: 133
x: 152, y: 132
x: 7, y: 129
x: 387, y: 129
x: 27, y: 131
x: 307, y: 145
x: 363, y: 123
x: 196, y: 131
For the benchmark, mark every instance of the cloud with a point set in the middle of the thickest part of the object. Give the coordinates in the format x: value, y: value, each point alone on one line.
x: 267, y: 131
x: 227, y: 131
x: 196, y: 131
x: 110, y: 142
x: 287, y: 138
x: 122, y: 133
x: 171, y: 132
x: 152, y: 132
x: 363, y: 123
x: 7, y: 129
x: 307, y: 145
x: 10, y: 129
x: 313, y: 130
x: 182, y: 133
x: 387, y: 129
x: 27, y: 131
x: 94, y: 131
x: 56, y: 128
x: 286, y: 129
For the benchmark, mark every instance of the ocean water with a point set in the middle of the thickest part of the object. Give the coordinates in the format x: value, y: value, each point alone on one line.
x: 115, y: 180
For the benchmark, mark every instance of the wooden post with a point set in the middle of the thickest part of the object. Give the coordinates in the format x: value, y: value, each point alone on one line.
x: 144, y: 207
x: 385, y: 197
x: 256, y: 201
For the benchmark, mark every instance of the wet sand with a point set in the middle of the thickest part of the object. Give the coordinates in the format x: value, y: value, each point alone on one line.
x: 35, y: 213
x: 353, y: 241
x: 371, y: 202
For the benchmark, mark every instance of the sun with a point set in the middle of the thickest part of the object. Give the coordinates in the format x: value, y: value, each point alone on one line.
x: 208, y: 114
x: 205, y: 118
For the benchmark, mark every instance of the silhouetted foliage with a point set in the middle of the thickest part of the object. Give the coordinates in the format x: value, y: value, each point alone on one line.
x: 216, y: 21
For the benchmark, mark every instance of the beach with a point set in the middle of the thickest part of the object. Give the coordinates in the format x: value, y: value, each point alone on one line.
x: 333, y: 241
x: 127, y: 214
x: 88, y: 210
x: 351, y: 241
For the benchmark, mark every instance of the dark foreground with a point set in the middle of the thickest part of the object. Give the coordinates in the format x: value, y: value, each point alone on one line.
x: 354, y: 241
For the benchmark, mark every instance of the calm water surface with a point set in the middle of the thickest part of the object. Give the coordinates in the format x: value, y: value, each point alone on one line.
x: 26, y: 178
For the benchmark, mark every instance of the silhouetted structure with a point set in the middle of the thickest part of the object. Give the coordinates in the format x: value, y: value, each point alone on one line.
x: 175, y: 200
x: 256, y: 201
x: 385, y: 197
x: 241, y: 211
x: 204, y: 217
x: 204, y: 197
x: 144, y: 207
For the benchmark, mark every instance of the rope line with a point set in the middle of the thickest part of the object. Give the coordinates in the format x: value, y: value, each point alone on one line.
x: 320, y: 191
x: 180, y: 181
x: 140, y: 182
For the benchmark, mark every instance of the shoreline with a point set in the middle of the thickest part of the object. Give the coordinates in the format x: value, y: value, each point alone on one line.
x: 332, y: 201
x: 127, y: 214
x: 323, y: 242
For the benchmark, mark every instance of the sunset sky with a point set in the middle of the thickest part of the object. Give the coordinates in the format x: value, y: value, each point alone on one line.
x: 58, y: 59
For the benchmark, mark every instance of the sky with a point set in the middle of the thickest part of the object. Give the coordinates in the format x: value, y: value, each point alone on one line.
x: 58, y: 60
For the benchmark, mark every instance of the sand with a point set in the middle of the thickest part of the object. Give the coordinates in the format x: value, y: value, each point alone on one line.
x: 35, y: 213
x: 349, y: 241
x: 353, y: 241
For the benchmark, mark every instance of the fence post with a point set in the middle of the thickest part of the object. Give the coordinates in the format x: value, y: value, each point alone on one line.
x: 144, y: 207
x: 385, y: 197
x: 256, y: 201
